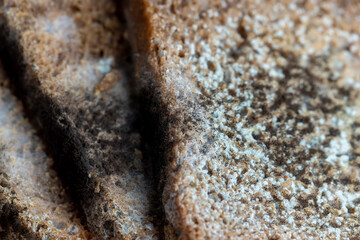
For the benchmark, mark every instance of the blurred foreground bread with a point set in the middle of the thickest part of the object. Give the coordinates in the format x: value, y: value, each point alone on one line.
x: 33, y: 203
x: 67, y: 60
x: 259, y: 103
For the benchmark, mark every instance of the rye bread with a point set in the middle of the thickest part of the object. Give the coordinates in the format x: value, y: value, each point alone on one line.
x: 33, y: 202
x: 258, y: 103
x: 68, y: 63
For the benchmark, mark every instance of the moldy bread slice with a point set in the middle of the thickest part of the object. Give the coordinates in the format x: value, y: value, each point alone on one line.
x: 33, y: 203
x: 68, y: 61
x: 259, y: 108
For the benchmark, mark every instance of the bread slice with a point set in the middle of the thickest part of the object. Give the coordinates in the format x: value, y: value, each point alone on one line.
x: 33, y: 203
x: 68, y: 61
x: 259, y: 105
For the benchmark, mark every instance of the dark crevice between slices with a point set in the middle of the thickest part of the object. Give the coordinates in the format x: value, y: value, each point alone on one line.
x: 154, y: 135
x: 157, y: 120
x: 152, y: 132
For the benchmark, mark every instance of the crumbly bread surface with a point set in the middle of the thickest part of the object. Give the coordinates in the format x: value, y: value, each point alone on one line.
x: 33, y: 203
x: 259, y: 101
x: 69, y: 56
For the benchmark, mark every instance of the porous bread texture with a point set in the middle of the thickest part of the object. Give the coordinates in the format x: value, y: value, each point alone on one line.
x: 70, y: 58
x: 260, y: 106
x: 33, y: 203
